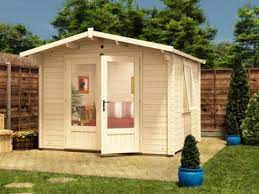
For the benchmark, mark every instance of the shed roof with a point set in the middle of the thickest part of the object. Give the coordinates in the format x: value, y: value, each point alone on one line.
x: 91, y: 33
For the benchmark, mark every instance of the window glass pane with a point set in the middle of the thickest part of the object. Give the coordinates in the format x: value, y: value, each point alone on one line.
x: 187, y: 87
x: 83, y: 109
x: 121, y: 89
x: 185, y: 99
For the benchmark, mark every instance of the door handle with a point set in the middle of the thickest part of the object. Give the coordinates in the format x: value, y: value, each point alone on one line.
x: 104, y: 104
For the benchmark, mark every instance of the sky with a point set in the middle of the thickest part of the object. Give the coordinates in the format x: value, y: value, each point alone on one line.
x: 37, y: 14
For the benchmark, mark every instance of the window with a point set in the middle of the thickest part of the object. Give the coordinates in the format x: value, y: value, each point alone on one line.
x: 83, y: 110
x: 121, y: 95
x: 188, y: 88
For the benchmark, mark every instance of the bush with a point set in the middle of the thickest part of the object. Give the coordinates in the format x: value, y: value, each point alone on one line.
x: 25, y: 133
x: 237, y: 100
x: 190, y: 153
x: 250, y: 124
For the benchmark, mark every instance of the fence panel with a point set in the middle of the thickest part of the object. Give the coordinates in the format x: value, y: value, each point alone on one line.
x: 19, y: 93
x: 214, y: 97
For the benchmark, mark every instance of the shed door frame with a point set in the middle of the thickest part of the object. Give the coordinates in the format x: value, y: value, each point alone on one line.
x: 91, y: 59
x: 105, y: 148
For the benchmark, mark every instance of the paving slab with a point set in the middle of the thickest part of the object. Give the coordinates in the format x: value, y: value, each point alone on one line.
x: 19, y: 185
x: 148, y: 167
x: 23, y: 193
x: 61, y: 180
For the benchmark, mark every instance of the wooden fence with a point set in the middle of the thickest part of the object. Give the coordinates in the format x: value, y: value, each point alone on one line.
x: 18, y: 92
x: 214, y: 96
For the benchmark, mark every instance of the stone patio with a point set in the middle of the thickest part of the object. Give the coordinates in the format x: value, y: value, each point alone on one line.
x: 149, y: 167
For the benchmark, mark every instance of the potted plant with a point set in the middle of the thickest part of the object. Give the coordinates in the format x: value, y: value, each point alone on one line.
x: 238, y: 98
x: 190, y: 173
x: 25, y: 140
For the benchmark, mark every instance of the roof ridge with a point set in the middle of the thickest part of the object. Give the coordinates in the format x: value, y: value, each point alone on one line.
x: 90, y: 33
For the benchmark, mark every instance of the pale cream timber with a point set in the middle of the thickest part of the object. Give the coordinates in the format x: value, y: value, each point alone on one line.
x: 80, y: 137
x: 2, y: 123
x: 126, y: 140
x: 154, y: 115
x: 161, y: 78
x: 5, y: 141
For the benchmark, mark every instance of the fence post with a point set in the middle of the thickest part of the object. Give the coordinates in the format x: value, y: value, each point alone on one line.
x: 214, y: 100
x: 9, y: 95
x: 19, y: 86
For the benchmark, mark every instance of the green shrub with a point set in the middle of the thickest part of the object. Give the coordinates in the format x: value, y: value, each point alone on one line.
x: 190, y: 153
x: 237, y: 100
x: 250, y: 124
x: 24, y: 133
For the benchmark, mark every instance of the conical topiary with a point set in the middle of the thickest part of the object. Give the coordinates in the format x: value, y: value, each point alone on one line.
x: 190, y: 153
x: 250, y: 124
x: 237, y: 99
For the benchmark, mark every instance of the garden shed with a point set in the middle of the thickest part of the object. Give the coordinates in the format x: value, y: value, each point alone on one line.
x: 114, y: 94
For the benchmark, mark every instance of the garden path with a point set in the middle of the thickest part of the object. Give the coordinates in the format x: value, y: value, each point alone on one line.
x: 149, y: 167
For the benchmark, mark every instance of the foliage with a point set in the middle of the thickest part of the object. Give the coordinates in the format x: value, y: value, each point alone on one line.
x: 76, y: 98
x: 238, y: 98
x: 247, y: 35
x: 224, y: 55
x: 16, y: 38
x: 24, y: 133
x: 250, y: 124
x: 190, y: 153
x: 180, y: 23
x: 119, y: 17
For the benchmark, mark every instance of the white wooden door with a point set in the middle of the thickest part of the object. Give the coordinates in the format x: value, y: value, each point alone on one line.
x: 81, y: 118
x: 119, y: 105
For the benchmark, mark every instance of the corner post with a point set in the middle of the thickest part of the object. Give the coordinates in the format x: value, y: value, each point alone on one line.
x: 9, y: 95
x: 168, y: 60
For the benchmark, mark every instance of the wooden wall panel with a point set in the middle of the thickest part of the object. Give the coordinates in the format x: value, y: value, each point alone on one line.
x: 154, y: 108
x: 176, y: 121
x: 53, y: 102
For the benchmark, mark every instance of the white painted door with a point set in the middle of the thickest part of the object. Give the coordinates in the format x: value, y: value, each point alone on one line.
x: 119, y: 104
x: 81, y: 102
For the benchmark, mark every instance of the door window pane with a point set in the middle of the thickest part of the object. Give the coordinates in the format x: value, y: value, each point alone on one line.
x: 83, y: 109
x: 121, y: 95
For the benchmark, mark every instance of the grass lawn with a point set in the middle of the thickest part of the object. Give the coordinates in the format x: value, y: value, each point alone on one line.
x: 233, y: 170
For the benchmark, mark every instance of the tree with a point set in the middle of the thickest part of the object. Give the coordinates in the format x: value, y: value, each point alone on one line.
x: 237, y: 99
x: 250, y: 124
x: 224, y: 55
x: 190, y: 153
x: 182, y: 25
x: 120, y: 17
x: 16, y: 38
x: 247, y: 35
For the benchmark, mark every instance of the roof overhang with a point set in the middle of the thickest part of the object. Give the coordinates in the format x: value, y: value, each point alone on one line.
x: 91, y: 34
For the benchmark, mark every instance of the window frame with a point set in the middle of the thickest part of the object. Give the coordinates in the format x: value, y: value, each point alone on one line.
x: 189, y: 91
